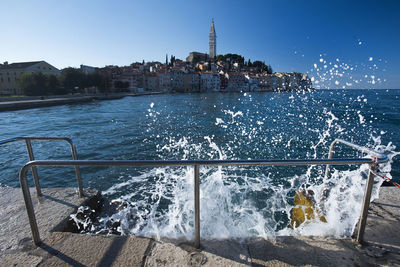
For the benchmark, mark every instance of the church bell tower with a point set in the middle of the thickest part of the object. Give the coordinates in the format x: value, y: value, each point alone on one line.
x: 212, y: 41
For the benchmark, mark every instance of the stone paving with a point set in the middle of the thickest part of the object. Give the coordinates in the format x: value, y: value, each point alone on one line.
x: 68, y: 249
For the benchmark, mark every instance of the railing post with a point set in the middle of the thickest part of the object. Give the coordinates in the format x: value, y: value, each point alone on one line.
x: 29, y: 206
x: 328, y: 167
x: 34, y: 171
x: 367, y: 199
x: 196, y: 207
x: 77, y: 171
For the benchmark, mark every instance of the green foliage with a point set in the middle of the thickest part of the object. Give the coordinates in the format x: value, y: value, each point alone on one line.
x: 269, y: 69
x: 198, y: 58
x: 74, y: 79
x: 34, y: 84
x: 27, y: 82
x: 172, y: 61
x: 121, y: 86
x: 262, y: 67
x: 229, y: 59
x: 71, y: 80
x: 101, y: 82
x: 249, y: 64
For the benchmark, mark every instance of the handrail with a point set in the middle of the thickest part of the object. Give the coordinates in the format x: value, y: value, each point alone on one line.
x: 377, y: 158
x: 28, y: 139
x: 195, y: 163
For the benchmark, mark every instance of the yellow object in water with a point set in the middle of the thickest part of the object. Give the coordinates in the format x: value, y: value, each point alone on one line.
x: 304, y: 208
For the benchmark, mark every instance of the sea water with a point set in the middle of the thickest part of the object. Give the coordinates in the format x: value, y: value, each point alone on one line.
x: 236, y: 202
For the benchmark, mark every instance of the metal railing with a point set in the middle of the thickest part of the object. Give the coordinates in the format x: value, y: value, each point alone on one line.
x: 196, y: 165
x: 29, y: 149
x: 370, y: 182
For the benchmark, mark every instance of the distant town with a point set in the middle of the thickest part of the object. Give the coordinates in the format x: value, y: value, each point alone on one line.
x: 200, y: 72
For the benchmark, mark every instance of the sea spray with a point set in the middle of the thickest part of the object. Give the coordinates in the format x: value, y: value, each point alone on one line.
x: 243, y: 201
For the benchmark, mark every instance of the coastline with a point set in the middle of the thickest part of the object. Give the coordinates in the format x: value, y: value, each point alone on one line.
x: 37, y: 102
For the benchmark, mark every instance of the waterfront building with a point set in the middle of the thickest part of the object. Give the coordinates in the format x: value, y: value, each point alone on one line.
x: 281, y: 82
x: 204, y: 66
x: 179, y: 63
x: 253, y: 82
x: 177, y: 81
x: 88, y: 69
x: 210, y: 81
x: 138, y: 80
x: 9, y: 74
x: 305, y: 82
x: 191, y: 82
x: 164, y: 80
x: 265, y: 82
x: 294, y: 81
x: 237, y: 82
x: 196, y: 57
x: 276, y: 82
x: 223, y: 81
x: 125, y: 78
x: 151, y: 82
x: 235, y: 66
x: 212, y: 41
x: 285, y: 82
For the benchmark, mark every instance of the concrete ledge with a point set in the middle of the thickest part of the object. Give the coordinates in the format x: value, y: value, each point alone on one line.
x: 50, y: 210
x: 63, y: 100
x: 65, y: 249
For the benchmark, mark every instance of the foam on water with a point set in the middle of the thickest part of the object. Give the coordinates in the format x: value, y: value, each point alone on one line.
x: 239, y: 201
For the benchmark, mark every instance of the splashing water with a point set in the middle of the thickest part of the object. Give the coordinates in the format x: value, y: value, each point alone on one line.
x: 330, y: 72
x: 239, y: 201
x: 236, y: 202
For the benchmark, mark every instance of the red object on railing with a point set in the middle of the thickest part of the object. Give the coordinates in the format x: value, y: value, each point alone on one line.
x: 388, y: 179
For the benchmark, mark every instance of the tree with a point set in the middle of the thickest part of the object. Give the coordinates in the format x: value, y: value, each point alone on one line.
x: 172, y: 61
x: 118, y: 84
x: 103, y: 83
x: 125, y: 85
x: 72, y: 78
x: 220, y: 58
x: 231, y: 59
x: 28, y: 85
x: 33, y: 83
x: 269, y: 69
x: 166, y: 59
x: 121, y: 86
x: 53, y: 85
x: 40, y: 84
x: 259, y: 65
x: 94, y: 79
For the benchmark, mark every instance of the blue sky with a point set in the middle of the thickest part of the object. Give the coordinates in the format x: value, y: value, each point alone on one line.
x: 362, y: 38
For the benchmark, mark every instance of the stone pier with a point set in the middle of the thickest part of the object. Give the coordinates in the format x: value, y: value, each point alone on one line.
x: 37, y: 102
x: 67, y: 249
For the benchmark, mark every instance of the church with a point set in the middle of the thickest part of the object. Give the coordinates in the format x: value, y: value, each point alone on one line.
x: 195, y: 57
